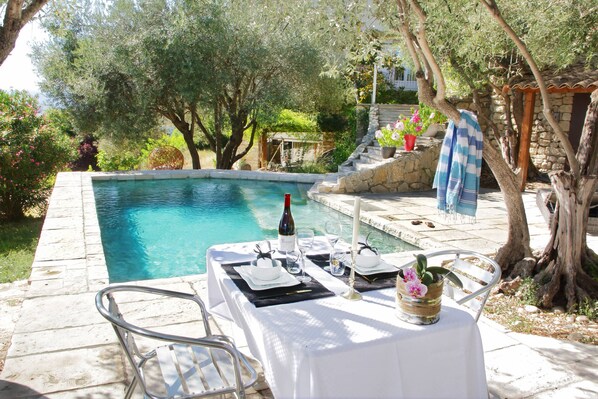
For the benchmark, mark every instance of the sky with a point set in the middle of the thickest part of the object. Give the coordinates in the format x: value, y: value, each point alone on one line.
x: 17, y: 71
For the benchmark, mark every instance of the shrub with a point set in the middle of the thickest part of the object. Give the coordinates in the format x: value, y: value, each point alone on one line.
x: 344, y: 147
x: 32, y: 151
x: 291, y: 121
x: 125, y: 160
x: 88, y: 155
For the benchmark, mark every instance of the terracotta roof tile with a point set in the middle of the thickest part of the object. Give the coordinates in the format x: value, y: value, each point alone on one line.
x: 576, y: 77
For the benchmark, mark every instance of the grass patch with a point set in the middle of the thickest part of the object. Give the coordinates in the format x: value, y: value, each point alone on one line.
x: 18, y: 241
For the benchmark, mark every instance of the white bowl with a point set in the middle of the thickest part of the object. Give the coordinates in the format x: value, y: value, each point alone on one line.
x: 265, y: 270
x: 366, y: 261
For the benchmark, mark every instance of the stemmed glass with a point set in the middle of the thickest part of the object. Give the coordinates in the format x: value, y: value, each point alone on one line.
x: 332, y: 232
x: 305, y: 239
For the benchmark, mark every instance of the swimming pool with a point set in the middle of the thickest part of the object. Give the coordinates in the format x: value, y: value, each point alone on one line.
x: 162, y: 228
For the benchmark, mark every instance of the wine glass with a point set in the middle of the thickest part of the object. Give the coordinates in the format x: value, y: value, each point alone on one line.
x: 332, y: 232
x: 305, y: 239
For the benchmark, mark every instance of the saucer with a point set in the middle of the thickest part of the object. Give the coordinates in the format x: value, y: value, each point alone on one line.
x: 284, y: 280
x: 381, y: 267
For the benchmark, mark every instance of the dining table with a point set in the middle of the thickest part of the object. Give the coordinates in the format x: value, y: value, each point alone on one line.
x: 314, y: 343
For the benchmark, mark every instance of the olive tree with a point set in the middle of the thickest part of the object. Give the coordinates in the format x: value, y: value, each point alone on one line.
x: 206, y: 66
x: 16, y: 13
x: 460, y: 40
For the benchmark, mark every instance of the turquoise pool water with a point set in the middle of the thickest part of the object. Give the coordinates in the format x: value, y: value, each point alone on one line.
x: 162, y: 228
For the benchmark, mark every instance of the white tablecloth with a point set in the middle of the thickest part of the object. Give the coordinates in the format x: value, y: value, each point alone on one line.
x: 335, y: 348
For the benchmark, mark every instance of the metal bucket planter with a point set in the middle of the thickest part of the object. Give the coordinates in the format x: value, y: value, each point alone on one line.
x: 388, y: 152
x: 424, y: 310
x: 409, y: 142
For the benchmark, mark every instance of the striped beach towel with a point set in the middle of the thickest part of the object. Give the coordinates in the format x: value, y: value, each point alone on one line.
x: 458, y: 172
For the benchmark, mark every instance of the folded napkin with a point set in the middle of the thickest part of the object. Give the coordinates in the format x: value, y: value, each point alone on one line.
x: 279, y: 295
x: 371, y: 282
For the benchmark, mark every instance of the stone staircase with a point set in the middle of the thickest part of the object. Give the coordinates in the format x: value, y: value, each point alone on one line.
x: 366, y: 171
x: 389, y: 113
x: 369, y: 172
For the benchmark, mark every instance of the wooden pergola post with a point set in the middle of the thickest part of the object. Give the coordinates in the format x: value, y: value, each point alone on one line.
x: 526, y: 135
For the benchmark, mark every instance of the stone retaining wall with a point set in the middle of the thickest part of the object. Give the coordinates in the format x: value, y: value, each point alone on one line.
x: 409, y: 171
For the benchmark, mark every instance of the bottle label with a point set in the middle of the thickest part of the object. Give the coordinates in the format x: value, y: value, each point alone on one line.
x: 286, y: 243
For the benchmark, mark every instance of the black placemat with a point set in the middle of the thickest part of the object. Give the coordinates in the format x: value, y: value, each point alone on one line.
x: 372, y: 282
x: 277, y: 296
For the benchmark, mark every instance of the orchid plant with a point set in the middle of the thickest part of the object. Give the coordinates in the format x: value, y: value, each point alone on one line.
x: 418, y: 277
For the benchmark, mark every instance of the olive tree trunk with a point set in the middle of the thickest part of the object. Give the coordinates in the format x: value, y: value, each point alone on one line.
x: 561, y: 264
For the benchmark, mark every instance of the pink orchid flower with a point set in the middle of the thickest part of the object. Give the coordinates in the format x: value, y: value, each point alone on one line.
x: 409, y: 275
x: 416, y: 289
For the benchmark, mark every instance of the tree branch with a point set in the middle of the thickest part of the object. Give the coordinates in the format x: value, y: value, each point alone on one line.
x: 565, y: 143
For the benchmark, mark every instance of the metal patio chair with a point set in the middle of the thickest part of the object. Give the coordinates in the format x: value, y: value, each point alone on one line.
x: 179, y: 367
x: 478, y: 273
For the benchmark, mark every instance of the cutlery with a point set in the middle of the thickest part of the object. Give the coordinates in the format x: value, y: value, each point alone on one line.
x: 284, y: 294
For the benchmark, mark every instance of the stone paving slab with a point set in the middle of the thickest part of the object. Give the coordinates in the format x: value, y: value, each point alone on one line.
x: 64, y: 339
x: 59, y: 371
x: 57, y: 312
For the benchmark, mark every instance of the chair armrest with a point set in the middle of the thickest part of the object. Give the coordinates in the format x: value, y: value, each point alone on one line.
x: 155, y: 291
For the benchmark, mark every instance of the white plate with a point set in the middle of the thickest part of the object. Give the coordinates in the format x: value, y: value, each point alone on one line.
x: 381, y: 267
x: 284, y: 280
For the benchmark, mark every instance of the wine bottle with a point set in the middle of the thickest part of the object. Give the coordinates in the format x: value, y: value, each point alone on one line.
x: 286, y: 227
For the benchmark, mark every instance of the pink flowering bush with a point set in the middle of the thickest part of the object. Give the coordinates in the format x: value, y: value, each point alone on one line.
x: 418, y: 278
x: 420, y: 120
x: 31, y: 152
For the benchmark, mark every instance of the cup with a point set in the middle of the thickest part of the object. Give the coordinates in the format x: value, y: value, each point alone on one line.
x: 293, y: 262
x: 337, y: 265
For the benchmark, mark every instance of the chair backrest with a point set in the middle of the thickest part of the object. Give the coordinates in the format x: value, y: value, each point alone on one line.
x: 478, y: 273
x: 168, y: 366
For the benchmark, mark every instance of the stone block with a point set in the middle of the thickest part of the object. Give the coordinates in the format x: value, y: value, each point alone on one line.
x: 56, y: 312
x: 60, y: 371
x: 568, y: 99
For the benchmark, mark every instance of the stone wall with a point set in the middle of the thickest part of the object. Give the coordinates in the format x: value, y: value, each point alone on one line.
x: 409, y: 171
x: 545, y: 150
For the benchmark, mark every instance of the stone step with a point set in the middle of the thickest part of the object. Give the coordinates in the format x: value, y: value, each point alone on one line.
x: 346, y: 169
x: 362, y: 165
x: 375, y: 151
x: 373, y: 158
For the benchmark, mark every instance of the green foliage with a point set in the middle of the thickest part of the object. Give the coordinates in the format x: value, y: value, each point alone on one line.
x: 529, y: 292
x: 332, y: 122
x: 385, y: 92
x: 344, y: 145
x: 309, y: 167
x: 125, y: 160
x: 32, y: 151
x: 589, y: 308
x: 122, y: 66
x: 18, y: 241
x: 429, y: 275
x: 292, y: 121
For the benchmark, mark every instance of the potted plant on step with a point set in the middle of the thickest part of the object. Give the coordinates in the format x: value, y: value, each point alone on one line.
x: 419, y: 291
x: 417, y: 124
x: 389, y: 138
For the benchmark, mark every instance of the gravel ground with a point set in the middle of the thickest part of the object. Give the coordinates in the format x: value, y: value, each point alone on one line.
x: 512, y: 313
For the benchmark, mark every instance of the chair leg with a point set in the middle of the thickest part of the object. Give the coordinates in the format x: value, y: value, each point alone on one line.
x: 131, y: 388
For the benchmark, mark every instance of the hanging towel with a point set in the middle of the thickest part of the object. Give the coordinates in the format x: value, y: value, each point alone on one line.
x: 458, y: 172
